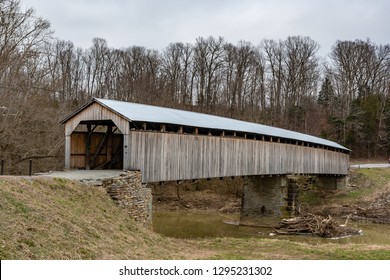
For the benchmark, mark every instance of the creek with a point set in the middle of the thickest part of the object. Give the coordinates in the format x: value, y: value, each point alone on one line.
x: 192, y: 225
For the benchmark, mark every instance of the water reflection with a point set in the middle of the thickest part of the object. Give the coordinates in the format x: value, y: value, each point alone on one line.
x: 191, y: 225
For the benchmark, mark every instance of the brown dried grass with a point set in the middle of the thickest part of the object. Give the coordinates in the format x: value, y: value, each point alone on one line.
x: 46, y: 218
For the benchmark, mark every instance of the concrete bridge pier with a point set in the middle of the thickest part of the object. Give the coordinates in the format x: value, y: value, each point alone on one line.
x: 264, y: 199
x: 332, y: 182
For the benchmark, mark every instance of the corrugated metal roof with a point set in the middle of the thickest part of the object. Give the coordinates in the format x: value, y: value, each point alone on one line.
x: 155, y: 114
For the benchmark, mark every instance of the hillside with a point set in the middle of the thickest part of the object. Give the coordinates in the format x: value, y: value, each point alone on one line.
x: 45, y: 218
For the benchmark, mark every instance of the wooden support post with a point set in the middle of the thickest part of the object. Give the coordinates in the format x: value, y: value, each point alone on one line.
x: 88, y: 147
x: 30, y: 167
x: 163, y: 128
x: 67, y: 151
x: 109, y: 149
x: 144, y: 126
x: 223, y: 133
x: 126, y: 160
x: 180, y: 130
x: 196, y: 131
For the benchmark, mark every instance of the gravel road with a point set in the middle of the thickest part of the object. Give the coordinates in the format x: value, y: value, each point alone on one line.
x: 371, y: 165
x: 84, y: 175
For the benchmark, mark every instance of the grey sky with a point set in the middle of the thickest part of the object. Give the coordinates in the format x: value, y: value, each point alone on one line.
x: 154, y: 24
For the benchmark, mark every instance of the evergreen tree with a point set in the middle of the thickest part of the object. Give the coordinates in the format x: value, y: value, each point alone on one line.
x: 326, y: 94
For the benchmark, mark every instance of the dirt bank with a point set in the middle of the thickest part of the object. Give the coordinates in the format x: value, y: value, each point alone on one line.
x: 367, y: 197
x: 202, y: 195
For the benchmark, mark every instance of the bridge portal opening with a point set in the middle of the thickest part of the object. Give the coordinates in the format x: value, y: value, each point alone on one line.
x: 96, y: 145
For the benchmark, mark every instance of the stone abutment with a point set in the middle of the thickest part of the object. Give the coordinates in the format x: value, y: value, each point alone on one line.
x: 132, y: 195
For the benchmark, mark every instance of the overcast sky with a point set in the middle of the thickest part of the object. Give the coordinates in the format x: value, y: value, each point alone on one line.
x: 154, y: 24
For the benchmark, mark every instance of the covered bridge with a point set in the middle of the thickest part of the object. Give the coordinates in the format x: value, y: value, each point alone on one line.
x: 168, y: 144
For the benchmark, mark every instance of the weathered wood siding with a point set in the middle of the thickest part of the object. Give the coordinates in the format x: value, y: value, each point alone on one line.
x: 172, y: 156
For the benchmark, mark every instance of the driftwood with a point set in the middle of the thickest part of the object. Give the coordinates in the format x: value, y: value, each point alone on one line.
x: 315, y: 225
x: 377, y: 212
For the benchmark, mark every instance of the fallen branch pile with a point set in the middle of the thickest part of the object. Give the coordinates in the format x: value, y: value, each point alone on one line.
x: 378, y: 211
x: 315, y: 225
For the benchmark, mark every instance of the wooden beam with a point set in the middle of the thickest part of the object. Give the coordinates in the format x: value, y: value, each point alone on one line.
x: 88, y: 146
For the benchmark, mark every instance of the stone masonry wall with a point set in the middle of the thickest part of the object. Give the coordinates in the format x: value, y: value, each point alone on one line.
x: 263, y: 198
x: 130, y: 194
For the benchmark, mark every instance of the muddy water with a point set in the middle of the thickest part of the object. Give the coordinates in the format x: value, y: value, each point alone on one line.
x: 202, y: 225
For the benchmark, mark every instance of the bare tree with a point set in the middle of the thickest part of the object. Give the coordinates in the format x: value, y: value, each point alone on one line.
x: 301, y: 79
x: 208, y: 62
x: 274, y: 55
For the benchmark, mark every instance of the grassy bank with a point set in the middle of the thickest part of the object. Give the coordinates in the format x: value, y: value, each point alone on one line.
x: 45, y: 218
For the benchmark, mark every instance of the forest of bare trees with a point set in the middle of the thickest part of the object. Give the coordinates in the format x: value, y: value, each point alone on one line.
x: 343, y: 97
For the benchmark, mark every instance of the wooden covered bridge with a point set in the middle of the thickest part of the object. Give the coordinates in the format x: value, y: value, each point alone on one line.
x: 170, y: 145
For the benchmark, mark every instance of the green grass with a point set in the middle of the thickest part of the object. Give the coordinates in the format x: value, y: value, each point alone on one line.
x: 254, y: 248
